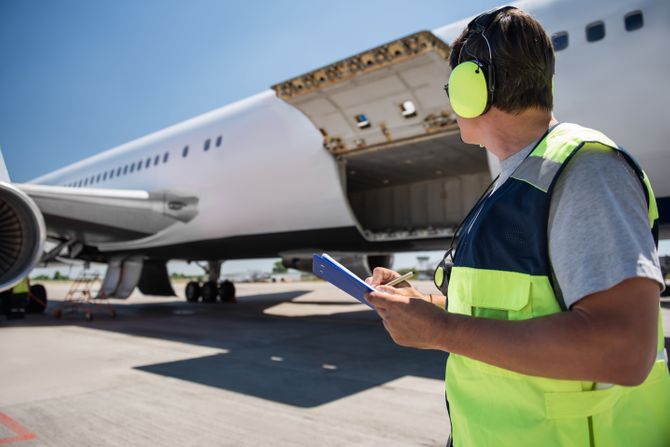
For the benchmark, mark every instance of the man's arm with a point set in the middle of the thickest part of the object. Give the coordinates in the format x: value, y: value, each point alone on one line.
x: 609, y: 336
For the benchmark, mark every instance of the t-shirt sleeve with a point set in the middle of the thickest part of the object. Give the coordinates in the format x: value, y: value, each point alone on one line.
x: 599, y: 226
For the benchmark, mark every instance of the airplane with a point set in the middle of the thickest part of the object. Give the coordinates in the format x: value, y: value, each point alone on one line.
x: 361, y: 158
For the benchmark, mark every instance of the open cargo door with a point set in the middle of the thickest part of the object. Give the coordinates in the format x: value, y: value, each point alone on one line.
x: 385, y: 117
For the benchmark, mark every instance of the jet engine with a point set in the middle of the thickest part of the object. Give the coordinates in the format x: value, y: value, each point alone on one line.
x: 361, y: 264
x: 22, y: 235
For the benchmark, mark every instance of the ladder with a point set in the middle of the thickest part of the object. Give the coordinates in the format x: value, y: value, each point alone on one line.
x: 81, y: 297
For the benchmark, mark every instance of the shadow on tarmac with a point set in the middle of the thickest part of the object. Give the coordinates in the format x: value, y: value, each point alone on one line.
x: 304, y: 361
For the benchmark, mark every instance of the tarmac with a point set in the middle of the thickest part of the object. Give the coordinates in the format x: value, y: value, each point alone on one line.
x: 290, y: 364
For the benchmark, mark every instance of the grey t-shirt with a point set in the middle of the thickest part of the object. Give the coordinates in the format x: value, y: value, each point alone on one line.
x: 598, y: 223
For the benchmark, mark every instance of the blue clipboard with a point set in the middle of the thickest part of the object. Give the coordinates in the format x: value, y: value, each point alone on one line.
x: 341, y: 277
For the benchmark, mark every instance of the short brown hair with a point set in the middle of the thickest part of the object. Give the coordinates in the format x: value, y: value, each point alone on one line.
x: 523, y: 60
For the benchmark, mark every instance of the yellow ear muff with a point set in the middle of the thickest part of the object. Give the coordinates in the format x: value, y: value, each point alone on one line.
x: 468, y: 92
x: 438, y: 277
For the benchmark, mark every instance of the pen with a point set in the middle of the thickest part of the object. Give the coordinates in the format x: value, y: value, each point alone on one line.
x: 400, y: 279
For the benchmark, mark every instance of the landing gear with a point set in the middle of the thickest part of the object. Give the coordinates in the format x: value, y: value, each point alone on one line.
x: 37, y: 300
x: 227, y: 292
x: 211, y: 290
x: 192, y: 292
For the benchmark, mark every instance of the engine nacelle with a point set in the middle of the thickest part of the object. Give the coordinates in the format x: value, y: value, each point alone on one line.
x: 22, y: 235
x: 362, y: 265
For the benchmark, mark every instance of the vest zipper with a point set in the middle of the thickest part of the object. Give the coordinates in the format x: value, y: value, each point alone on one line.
x: 592, y: 442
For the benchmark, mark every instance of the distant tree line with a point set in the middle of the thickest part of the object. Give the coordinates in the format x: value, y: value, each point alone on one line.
x: 57, y: 276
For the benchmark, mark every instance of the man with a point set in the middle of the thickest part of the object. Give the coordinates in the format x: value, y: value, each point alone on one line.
x: 552, y: 320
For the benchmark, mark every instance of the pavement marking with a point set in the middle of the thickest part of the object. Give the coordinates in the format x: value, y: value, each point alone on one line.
x: 22, y: 433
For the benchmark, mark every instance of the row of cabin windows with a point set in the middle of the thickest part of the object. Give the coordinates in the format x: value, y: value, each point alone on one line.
x: 138, y: 166
x: 595, y: 31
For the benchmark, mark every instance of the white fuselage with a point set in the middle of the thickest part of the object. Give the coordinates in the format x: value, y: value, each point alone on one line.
x: 271, y: 173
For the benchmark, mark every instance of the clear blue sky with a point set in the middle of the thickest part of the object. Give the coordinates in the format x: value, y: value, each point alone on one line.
x: 79, y: 76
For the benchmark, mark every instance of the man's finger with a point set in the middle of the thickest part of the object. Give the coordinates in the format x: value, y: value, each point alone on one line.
x: 387, y: 289
x: 374, y: 300
x: 380, y: 297
x: 381, y: 275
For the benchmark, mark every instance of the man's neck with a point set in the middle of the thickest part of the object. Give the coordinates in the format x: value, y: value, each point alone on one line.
x: 509, y: 133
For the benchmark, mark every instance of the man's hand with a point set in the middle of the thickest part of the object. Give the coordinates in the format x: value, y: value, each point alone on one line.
x: 411, y: 321
x: 381, y: 276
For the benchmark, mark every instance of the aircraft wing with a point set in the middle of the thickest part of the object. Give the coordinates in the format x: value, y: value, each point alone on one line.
x: 92, y: 216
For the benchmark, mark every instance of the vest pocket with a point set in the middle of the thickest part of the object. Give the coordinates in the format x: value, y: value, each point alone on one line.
x: 619, y: 416
x: 490, y: 293
x: 581, y: 404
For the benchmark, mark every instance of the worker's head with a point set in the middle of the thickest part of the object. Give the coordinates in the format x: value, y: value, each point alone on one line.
x: 502, y: 60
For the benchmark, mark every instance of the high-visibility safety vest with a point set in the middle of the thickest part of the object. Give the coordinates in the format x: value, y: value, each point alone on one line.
x: 21, y: 287
x: 502, y: 271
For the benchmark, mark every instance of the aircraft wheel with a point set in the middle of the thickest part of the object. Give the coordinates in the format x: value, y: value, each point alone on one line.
x: 37, y: 303
x: 192, y: 292
x: 209, y: 292
x: 227, y: 292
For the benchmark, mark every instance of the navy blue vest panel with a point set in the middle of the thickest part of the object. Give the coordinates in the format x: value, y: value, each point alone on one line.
x: 508, y: 232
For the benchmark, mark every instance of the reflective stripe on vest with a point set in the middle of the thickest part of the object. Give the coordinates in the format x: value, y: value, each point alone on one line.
x: 506, y: 275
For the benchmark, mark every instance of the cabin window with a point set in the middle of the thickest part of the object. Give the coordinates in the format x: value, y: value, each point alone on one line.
x: 147, y: 163
x: 184, y: 152
x: 218, y: 140
x: 157, y: 159
x: 97, y: 179
x: 207, y: 142
x: 560, y: 41
x: 118, y: 172
x: 125, y: 169
x: 595, y: 31
x: 165, y: 157
x: 633, y: 20
x: 104, y: 176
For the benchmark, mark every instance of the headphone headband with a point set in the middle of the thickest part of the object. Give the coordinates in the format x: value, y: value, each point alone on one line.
x: 481, y: 23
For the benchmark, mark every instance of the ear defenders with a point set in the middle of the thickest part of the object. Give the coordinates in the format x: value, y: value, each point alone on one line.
x: 470, y: 89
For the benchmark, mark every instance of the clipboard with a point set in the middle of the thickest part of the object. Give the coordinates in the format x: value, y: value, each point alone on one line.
x: 341, y: 277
